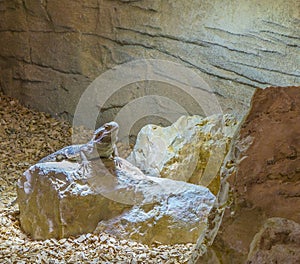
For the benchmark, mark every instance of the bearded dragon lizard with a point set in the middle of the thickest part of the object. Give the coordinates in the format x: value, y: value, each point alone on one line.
x: 102, y: 144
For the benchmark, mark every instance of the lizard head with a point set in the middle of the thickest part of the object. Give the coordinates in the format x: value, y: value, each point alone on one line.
x: 106, y: 133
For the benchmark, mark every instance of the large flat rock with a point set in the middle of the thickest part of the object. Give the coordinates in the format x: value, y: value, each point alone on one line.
x: 57, y: 201
x: 54, y: 204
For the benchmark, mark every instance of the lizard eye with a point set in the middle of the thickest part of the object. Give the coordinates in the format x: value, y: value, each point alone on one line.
x: 99, y: 136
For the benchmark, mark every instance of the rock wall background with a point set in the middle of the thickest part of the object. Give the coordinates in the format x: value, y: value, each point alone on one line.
x: 50, y: 51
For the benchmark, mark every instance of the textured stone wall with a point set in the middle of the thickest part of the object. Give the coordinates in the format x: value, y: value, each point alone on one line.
x: 50, y: 51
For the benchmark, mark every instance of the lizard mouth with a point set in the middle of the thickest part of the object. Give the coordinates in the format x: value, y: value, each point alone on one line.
x: 105, y: 132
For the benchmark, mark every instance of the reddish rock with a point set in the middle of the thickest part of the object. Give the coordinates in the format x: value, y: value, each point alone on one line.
x: 267, y: 179
x: 277, y: 242
x: 268, y: 176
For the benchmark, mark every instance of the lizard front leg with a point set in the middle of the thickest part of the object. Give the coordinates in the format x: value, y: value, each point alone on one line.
x: 115, y: 156
x: 85, y: 164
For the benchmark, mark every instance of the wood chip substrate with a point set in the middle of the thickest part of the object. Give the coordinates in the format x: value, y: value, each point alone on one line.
x: 26, y: 137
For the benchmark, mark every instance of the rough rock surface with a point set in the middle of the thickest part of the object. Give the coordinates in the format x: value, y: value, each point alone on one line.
x: 51, y: 50
x: 191, y: 150
x: 268, y: 174
x: 278, y: 241
x: 164, y: 211
x: 55, y: 203
x: 267, y: 180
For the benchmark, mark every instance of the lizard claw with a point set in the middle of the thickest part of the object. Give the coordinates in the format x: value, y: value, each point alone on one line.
x: 118, y: 162
x: 84, y: 167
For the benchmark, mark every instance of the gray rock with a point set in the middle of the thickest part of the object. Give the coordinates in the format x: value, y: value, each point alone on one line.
x: 166, y: 211
x: 56, y: 201
x: 53, y: 203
